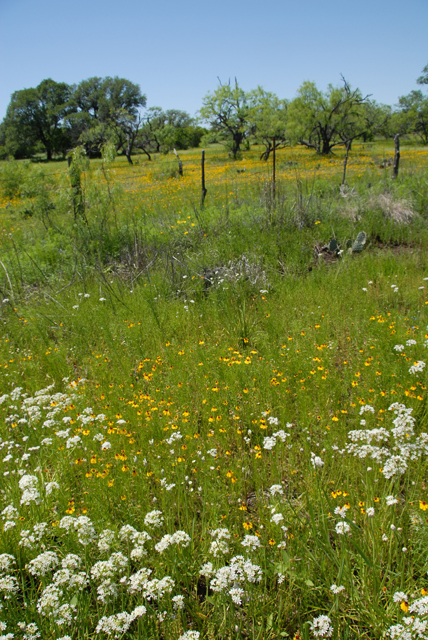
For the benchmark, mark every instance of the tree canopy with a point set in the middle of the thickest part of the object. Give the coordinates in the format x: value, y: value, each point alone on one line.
x: 35, y: 117
x: 323, y: 120
x: 55, y: 118
x: 227, y: 111
x: 268, y: 120
x: 412, y: 116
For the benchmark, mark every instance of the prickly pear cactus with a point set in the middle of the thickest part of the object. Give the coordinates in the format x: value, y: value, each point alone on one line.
x: 333, y: 246
x: 359, y: 243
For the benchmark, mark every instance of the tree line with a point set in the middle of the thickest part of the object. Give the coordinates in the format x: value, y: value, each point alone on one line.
x: 55, y: 118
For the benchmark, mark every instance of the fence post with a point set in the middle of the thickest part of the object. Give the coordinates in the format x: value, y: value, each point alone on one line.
x: 273, y: 170
x: 204, y: 190
x: 180, y: 164
x: 396, y: 156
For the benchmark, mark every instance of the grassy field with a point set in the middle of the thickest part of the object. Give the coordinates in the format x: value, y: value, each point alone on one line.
x: 213, y: 422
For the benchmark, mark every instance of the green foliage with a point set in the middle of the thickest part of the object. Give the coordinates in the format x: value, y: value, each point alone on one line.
x: 227, y: 113
x: 57, y: 116
x: 161, y: 131
x: 413, y: 115
x: 79, y: 163
x: 423, y: 79
x: 232, y: 406
x: 13, y: 176
x: 36, y: 116
x: 322, y: 121
x: 268, y: 120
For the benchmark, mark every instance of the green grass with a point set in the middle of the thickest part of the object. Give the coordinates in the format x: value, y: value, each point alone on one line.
x: 185, y: 339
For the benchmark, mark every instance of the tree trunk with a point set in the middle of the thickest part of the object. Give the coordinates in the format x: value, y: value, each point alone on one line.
x: 48, y: 155
x: 128, y: 155
x: 236, y: 146
x: 325, y: 147
x: 146, y: 152
x: 128, y: 150
x: 266, y: 153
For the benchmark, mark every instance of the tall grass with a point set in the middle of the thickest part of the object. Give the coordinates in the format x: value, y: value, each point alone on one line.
x: 206, y: 429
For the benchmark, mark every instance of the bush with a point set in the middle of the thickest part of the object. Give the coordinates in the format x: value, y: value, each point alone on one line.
x: 13, y: 176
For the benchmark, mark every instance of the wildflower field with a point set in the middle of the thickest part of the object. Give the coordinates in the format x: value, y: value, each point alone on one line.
x: 214, y: 420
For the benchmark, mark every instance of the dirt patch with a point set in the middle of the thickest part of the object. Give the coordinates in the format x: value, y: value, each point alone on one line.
x: 395, y: 247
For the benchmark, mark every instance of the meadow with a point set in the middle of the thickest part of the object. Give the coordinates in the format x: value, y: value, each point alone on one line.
x: 214, y: 419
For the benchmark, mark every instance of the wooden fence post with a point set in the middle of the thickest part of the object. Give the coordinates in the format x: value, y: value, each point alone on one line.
x: 396, y: 156
x: 273, y: 170
x: 204, y: 190
x: 345, y: 162
x: 180, y: 164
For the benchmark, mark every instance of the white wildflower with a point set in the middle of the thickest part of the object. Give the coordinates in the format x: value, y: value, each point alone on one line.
x: 43, y: 563
x: 190, y: 635
x: 276, y: 489
x: 276, y: 518
x: 6, y: 562
x: 341, y: 511
x: 178, y: 603
x: 400, y: 596
x: 251, y: 542
x: 316, y: 461
x: 207, y: 570
x: 105, y: 540
x: 237, y: 594
x: 51, y: 486
x: 366, y: 408
x: 115, y: 625
x: 342, y: 528
x: 8, y: 586
x: 321, y: 627
x: 336, y: 590
x: 417, y: 367
x: 154, y: 519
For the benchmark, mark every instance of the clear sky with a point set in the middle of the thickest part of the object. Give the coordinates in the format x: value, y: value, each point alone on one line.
x: 176, y: 49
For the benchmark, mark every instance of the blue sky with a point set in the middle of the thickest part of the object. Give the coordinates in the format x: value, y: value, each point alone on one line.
x: 176, y: 49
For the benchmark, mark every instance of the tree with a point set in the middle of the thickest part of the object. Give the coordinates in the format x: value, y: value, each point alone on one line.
x: 161, y: 131
x: 412, y: 115
x: 322, y: 121
x: 88, y: 96
x: 106, y: 109
x: 268, y: 120
x: 36, y: 116
x: 227, y: 112
x: 377, y: 119
x: 423, y: 79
